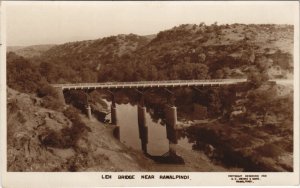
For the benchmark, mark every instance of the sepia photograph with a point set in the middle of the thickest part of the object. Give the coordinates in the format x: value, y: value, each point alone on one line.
x: 150, y: 87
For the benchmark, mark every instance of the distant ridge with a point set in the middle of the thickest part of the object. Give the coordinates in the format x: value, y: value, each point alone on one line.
x: 30, y: 51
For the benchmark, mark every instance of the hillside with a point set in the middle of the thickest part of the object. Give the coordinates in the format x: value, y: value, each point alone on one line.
x: 183, y: 52
x: 37, y: 141
x: 85, y: 59
x: 29, y: 51
x: 225, y: 50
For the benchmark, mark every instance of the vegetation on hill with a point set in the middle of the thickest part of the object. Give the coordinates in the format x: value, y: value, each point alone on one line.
x: 183, y: 52
x: 24, y: 76
x: 215, y: 51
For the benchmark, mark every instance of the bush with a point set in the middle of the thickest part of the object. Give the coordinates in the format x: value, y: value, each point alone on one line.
x: 270, y: 150
x: 22, y: 75
x: 69, y: 136
x: 47, y: 90
x: 12, y: 106
x: 21, y: 117
x: 257, y: 78
x: 51, y: 103
x: 72, y: 113
x: 56, y: 140
x: 78, y: 128
x: 77, y: 98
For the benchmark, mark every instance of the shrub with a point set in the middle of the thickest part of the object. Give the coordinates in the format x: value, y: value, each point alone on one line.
x: 12, y: 106
x: 21, y: 117
x: 47, y: 90
x: 270, y: 150
x: 51, y: 103
x: 56, y: 140
x: 66, y: 137
x: 71, y: 113
x: 77, y: 98
x: 22, y: 75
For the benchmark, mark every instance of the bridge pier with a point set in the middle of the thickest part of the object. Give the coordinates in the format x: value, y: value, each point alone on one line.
x: 144, y: 144
x: 171, y: 126
x: 60, y: 95
x: 143, y: 128
x: 89, y: 111
x: 113, y: 110
x: 142, y: 116
x: 172, y: 148
x: 117, y: 132
x: 171, y: 116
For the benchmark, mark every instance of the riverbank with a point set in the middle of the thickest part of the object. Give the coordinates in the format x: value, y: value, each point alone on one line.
x: 96, y: 150
x: 251, y: 148
x: 28, y: 123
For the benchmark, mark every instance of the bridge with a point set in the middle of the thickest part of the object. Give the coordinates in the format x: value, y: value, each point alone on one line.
x: 147, y: 84
x: 60, y: 88
x: 170, y: 110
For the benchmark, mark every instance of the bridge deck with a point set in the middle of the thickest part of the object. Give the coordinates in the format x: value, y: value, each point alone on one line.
x: 144, y: 84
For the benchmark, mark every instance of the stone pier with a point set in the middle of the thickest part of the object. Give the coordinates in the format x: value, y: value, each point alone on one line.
x: 114, y: 119
x: 117, y: 132
x: 89, y: 111
x: 142, y: 116
x: 171, y: 126
x: 172, y: 148
x: 143, y: 128
x: 171, y: 116
x: 60, y: 95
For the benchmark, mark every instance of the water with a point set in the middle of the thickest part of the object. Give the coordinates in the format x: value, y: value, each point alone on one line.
x: 162, y: 141
x: 158, y: 144
x: 189, y: 145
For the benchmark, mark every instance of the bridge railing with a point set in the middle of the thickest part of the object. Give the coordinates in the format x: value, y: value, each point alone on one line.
x: 149, y: 82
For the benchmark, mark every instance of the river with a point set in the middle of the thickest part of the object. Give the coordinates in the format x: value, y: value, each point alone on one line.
x: 162, y: 144
x: 208, y: 128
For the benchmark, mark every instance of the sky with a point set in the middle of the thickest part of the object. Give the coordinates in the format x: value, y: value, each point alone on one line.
x: 32, y: 23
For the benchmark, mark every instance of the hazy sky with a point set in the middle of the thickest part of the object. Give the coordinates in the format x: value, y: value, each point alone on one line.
x: 29, y: 23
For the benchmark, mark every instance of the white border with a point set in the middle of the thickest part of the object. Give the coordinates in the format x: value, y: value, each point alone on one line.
x: 91, y: 179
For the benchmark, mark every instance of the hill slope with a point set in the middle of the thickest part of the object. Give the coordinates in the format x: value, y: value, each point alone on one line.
x: 183, y: 52
x: 36, y: 141
x: 226, y: 50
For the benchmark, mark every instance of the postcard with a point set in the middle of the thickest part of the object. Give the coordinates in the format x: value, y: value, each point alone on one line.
x: 162, y: 93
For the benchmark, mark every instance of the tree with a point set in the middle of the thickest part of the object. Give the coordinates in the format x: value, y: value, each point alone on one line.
x: 22, y: 75
x: 263, y: 63
x: 201, y: 24
x: 257, y: 78
x: 214, y: 105
x: 47, y: 90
